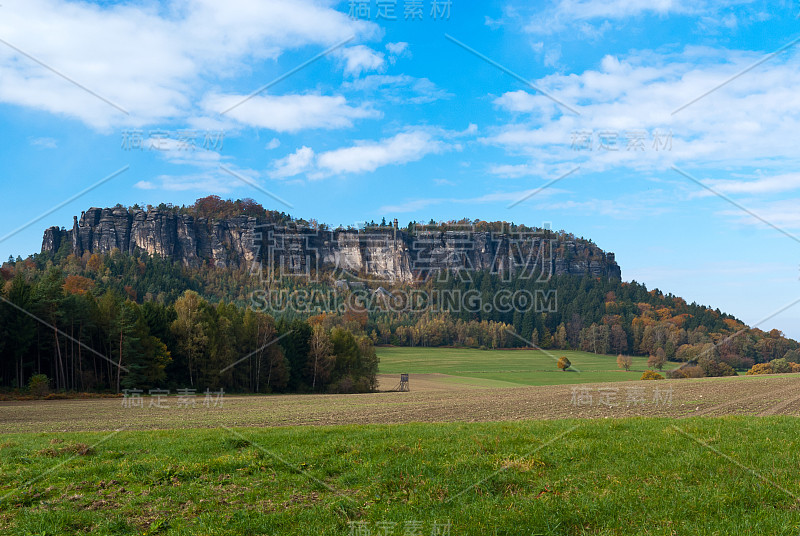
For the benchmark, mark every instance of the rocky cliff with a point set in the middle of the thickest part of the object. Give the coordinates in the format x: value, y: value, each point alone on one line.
x: 385, y: 253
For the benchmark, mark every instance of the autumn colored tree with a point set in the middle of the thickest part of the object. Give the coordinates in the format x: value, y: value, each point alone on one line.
x: 561, y: 337
x: 563, y: 363
x: 76, y: 284
x: 624, y: 361
x: 657, y: 360
x: 320, y: 357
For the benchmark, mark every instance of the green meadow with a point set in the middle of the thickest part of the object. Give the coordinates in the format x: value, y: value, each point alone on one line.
x: 601, y: 477
x: 520, y: 367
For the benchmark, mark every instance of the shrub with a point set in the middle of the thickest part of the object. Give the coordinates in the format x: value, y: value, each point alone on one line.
x: 780, y: 366
x: 795, y: 367
x: 726, y: 370
x: 344, y: 385
x: 651, y: 375
x: 711, y: 367
x: 760, y: 368
x: 563, y: 363
x: 676, y: 374
x: 735, y: 361
x: 39, y: 385
x: 693, y: 371
x: 747, y: 362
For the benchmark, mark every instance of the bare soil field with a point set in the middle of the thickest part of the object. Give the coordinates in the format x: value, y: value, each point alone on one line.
x: 433, y: 398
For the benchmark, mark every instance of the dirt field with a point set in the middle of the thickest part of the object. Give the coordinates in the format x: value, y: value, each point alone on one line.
x: 433, y: 398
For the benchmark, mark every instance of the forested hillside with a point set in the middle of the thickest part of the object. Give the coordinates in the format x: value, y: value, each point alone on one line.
x: 132, y: 319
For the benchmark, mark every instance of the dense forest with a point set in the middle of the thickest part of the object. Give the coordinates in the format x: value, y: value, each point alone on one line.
x: 108, y: 322
x: 85, y: 340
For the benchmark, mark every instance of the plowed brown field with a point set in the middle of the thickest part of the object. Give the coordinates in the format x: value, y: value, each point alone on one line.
x: 433, y: 398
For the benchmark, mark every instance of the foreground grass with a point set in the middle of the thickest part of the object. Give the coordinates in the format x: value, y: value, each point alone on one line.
x: 521, y: 367
x: 633, y: 476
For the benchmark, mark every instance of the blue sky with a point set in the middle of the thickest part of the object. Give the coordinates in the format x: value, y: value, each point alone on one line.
x: 419, y: 118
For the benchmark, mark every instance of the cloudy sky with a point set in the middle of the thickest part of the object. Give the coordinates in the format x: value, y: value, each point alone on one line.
x: 664, y: 130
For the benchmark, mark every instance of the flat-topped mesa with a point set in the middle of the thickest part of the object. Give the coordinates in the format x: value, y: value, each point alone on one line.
x: 388, y: 253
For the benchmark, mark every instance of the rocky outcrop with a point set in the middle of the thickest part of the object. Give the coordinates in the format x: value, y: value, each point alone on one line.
x: 383, y: 253
x: 156, y: 232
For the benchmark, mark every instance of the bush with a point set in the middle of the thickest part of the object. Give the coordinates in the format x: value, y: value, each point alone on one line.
x: 651, y: 375
x: 563, y: 363
x: 344, y: 385
x: 736, y: 361
x: 676, y: 374
x: 747, y: 362
x: 693, y: 371
x: 726, y: 370
x: 760, y: 368
x: 780, y: 366
x: 39, y: 385
x: 795, y: 367
x: 712, y: 367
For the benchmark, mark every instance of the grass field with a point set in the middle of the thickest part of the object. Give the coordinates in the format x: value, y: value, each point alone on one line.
x: 620, y: 477
x: 458, y: 455
x: 499, y: 368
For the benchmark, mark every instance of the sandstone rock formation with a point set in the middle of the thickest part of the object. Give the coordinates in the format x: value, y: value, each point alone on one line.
x: 384, y: 253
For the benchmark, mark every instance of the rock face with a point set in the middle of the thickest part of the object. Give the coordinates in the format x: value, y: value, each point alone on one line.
x: 383, y: 253
x: 177, y: 236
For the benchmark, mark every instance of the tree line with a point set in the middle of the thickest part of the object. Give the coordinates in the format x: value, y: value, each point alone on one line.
x: 83, y: 340
x: 116, y: 321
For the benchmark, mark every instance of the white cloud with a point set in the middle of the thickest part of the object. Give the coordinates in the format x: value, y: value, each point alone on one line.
x: 396, y: 49
x: 296, y: 163
x: 552, y: 55
x: 782, y: 214
x: 592, y: 9
x: 274, y: 143
x: 198, y: 169
x: 290, y: 113
x: 399, y: 89
x: 583, y: 17
x: 529, y: 195
x: 402, y: 148
x: 361, y: 58
x: 520, y: 101
x: 751, y: 121
x: 209, y: 181
x: 151, y: 60
x: 45, y: 143
x: 145, y: 185
x: 365, y: 156
x: 565, y: 13
x: 765, y: 185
